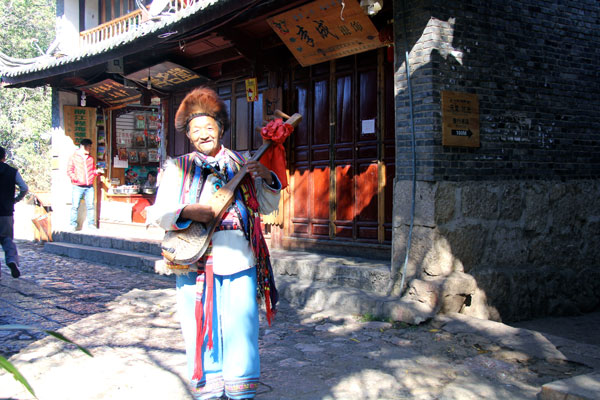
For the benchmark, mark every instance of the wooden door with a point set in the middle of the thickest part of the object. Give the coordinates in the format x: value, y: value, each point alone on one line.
x: 342, y: 154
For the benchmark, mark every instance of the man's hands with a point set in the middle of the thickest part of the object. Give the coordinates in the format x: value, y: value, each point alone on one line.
x: 256, y: 169
x: 198, y: 212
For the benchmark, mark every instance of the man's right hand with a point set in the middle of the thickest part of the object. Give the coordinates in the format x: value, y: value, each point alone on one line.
x: 198, y: 212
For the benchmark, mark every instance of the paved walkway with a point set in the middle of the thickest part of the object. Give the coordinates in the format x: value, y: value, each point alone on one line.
x: 128, y: 321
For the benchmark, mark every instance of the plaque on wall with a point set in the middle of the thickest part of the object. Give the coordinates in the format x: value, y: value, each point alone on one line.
x: 460, y: 119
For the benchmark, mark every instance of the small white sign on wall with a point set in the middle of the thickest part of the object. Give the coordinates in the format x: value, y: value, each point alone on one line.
x: 120, y: 163
x: 368, y: 126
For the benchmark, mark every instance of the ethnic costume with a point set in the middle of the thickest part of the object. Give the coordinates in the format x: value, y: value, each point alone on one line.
x: 217, y: 305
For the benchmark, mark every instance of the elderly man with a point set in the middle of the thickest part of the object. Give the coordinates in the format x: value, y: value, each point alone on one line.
x: 9, y: 179
x: 217, y: 296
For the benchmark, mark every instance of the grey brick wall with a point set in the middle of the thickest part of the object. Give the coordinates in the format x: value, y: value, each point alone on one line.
x: 535, y: 68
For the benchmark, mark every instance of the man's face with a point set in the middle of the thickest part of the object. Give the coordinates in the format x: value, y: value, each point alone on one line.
x: 87, y: 148
x: 205, y: 135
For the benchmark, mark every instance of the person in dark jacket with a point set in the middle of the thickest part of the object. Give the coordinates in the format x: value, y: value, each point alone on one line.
x: 9, y: 179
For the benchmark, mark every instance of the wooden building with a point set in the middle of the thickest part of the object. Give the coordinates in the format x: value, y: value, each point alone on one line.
x: 468, y: 130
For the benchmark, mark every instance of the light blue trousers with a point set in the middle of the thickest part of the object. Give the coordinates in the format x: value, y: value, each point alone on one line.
x: 87, y: 192
x: 232, y: 367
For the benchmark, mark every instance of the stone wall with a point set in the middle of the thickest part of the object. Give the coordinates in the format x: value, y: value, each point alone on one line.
x: 519, y: 213
x: 531, y: 246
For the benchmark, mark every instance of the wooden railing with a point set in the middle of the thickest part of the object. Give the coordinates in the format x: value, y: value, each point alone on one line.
x: 111, y: 29
x: 133, y: 20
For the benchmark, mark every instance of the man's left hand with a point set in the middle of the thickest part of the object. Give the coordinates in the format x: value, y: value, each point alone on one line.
x: 256, y: 169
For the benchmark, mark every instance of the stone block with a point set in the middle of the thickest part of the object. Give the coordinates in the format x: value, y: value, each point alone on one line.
x: 478, y: 201
x: 445, y: 202
x: 467, y: 243
x: 511, y: 201
x: 424, y: 203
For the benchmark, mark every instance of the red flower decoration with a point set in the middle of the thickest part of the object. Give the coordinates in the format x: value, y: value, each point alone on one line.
x: 274, y: 158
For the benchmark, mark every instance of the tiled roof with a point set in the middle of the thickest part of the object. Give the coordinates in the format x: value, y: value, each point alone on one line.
x: 144, y: 29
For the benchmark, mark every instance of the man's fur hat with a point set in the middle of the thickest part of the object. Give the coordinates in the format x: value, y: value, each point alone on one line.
x: 198, y: 102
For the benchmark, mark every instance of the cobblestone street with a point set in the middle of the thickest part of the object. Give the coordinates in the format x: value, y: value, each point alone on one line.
x: 127, y: 319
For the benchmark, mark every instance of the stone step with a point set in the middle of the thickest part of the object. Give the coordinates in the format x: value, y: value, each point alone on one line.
x: 108, y: 241
x: 124, y: 258
x: 368, y: 275
x: 319, y: 296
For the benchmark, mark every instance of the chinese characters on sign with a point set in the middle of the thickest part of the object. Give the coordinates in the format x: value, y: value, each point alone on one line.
x: 315, y: 32
x: 112, y: 92
x: 80, y: 123
x: 460, y: 119
x: 166, y: 76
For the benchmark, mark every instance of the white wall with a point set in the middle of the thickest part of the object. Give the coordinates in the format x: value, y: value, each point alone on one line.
x: 91, y: 14
x: 62, y: 148
x: 67, y: 27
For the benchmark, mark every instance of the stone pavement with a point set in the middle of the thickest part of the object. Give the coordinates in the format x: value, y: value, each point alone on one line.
x: 127, y: 319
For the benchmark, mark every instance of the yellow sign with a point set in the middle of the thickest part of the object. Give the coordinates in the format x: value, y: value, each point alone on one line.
x: 251, y: 90
x: 460, y: 119
x: 80, y: 123
x: 325, y: 30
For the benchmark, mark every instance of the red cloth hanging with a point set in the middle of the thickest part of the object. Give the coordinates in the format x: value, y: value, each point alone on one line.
x: 274, y: 158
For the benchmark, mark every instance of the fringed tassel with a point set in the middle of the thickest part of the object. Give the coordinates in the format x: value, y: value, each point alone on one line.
x: 256, y: 235
x: 269, y: 311
x: 199, y: 329
x: 209, y: 305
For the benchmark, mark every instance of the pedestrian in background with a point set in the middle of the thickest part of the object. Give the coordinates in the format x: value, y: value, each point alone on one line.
x: 10, y: 178
x: 217, y: 296
x: 82, y: 172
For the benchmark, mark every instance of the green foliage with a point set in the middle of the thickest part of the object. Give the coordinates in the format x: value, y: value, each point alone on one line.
x: 7, y: 365
x: 25, y: 22
x: 25, y: 114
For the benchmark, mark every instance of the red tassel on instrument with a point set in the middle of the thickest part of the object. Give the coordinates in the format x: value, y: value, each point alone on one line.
x: 209, y: 305
x: 199, y: 331
x: 268, y: 304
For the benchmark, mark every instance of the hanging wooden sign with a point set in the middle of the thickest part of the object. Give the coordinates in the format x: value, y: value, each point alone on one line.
x: 167, y: 76
x: 325, y: 29
x: 112, y: 92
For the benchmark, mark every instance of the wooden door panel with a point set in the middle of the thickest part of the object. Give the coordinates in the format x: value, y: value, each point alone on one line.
x: 301, y: 132
x: 300, y: 194
x: 321, y: 113
x: 367, y: 95
x: 344, y: 190
x: 241, y: 124
x: 366, y: 192
x: 367, y: 151
x: 345, y: 116
x: 367, y: 232
x: 320, y: 193
x: 320, y: 154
